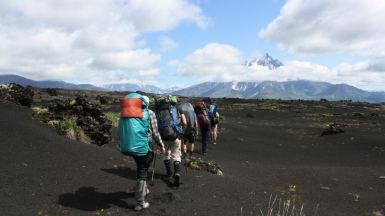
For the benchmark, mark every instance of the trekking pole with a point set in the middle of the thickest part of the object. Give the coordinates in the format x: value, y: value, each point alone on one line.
x: 184, y: 154
x: 153, y: 170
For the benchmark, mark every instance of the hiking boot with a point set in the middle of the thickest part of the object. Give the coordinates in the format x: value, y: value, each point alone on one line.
x: 139, y: 207
x: 140, y: 193
x: 168, y: 168
x: 191, y: 156
x: 176, y: 168
x: 176, y: 173
x: 176, y: 180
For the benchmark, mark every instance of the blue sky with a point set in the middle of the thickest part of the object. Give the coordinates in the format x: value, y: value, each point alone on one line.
x: 181, y: 43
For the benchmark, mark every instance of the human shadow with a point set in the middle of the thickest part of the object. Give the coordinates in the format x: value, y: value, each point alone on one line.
x: 124, y: 172
x: 129, y: 173
x: 88, y: 199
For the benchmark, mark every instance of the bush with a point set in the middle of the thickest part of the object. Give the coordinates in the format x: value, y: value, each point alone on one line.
x: 113, y: 117
x: 69, y: 128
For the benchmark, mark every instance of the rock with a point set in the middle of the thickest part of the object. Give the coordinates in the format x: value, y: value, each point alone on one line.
x: 51, y: 91
x: 17, y: 94
x: 333, y: 129
x: 89, y: 117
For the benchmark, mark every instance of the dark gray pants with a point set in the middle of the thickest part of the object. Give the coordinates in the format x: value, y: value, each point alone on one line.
x: 143, y: 164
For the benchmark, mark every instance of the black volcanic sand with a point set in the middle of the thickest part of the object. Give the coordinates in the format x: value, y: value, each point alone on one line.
x: 266, y: 149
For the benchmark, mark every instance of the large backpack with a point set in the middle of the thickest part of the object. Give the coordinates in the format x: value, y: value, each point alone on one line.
x: 201, y: 112
x: 168, y: 118
x: 213, y: 110
x: 133, y: 128
x: 188, y: 110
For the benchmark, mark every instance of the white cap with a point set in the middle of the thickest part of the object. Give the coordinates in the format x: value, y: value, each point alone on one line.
x: 146, y: 99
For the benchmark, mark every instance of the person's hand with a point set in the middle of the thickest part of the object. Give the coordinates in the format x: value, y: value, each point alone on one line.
x: 163, y: 150
x: 184, y: 148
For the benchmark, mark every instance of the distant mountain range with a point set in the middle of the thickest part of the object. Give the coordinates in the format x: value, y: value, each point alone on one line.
x: 135, y: 87
x: 5, y: 79
x: 288, y: 90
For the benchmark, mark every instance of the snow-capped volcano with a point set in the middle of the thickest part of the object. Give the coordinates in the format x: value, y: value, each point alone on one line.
x: 266, y: 61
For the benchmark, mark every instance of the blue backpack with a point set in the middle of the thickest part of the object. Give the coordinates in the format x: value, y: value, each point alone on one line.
x: 133, y: 128
x: 213, y: 110
x: 168, y: 118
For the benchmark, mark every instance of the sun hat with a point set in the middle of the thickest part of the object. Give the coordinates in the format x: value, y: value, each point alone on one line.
x: 146, y: 99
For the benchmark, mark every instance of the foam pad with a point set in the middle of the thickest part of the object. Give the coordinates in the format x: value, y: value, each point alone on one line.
x: 131, y: 107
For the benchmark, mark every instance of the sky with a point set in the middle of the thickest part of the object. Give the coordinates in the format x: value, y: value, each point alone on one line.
x: 179, y: 43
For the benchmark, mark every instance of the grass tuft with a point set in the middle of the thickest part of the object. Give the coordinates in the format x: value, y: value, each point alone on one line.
x: 69, y: 128
x: 283, y: 208
x: 40, y: 111
x: 113, y: 117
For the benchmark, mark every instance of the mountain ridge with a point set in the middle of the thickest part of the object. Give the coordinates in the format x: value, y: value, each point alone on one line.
x: 286, y: 90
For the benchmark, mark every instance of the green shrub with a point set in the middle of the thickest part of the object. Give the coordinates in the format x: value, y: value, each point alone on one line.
x: 113, y: 117
x: 66, y: 125
x: 81, y: 136
x: 69, y: 128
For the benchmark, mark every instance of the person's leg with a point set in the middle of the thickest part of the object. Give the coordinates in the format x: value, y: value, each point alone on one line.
x: 166, y: 159
x: 214, y: 130
x: 191, y: 141
x: 142, y: 166
x: 176, y: 155
x: 205, y: 136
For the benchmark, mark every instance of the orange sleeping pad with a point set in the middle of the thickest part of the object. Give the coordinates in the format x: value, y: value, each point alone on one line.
x: 131, y: 107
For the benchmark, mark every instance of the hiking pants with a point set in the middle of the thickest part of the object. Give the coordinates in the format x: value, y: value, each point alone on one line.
x: 205, y: 132
x: 173, y: 151
x: 142, y: 165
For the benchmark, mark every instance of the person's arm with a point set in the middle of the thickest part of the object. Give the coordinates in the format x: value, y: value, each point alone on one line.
x: 154, y: 130
x: 184, y: 121
x: 196, y: 124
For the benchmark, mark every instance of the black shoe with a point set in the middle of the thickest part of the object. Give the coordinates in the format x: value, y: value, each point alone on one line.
x: 168, y: 175
x: 176, y: 180
x: 205, y: 153
x: 168, y: 169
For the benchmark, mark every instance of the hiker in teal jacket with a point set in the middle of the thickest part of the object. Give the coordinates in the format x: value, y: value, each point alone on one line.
x: 143, y: 163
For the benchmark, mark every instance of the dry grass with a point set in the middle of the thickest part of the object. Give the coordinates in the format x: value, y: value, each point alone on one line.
x: 283, y: 208
x: 113, y: 117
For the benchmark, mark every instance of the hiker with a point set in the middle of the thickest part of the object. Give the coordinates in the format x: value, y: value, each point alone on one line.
x: 171, y: 126
x: 191, y: 130
x: 204, y: 117
x: 214, y: 124
x: 138, y: 133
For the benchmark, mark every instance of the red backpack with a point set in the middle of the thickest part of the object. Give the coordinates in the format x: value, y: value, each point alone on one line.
x: 201, y: 112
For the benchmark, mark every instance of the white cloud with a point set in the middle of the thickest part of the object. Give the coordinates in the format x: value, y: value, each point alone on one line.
x: 98, y: 40
x: 314, y: 27
x: 222, y: 63
x: 212, y: 61
x: 163, y: 15
x: 167, y: 44
x: 126, y: 60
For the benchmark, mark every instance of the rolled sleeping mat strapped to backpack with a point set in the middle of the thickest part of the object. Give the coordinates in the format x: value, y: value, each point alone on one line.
x: 131, y: 108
